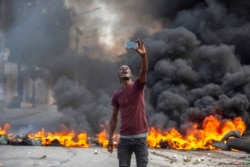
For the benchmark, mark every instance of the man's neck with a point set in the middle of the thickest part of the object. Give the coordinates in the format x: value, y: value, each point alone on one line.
x: 126, y: 82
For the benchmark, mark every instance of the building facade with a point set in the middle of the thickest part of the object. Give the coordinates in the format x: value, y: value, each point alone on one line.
x: 20, y: 61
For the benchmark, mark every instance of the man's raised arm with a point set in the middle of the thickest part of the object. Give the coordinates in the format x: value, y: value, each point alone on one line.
x: 141, y: 50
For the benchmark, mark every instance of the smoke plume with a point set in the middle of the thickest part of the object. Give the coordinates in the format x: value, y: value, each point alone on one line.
x: 197, y: 51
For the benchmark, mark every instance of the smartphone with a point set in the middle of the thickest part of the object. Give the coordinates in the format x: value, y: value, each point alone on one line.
x: 131, y: 45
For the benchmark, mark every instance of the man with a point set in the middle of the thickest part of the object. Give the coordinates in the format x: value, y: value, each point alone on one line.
x: 129, y: 100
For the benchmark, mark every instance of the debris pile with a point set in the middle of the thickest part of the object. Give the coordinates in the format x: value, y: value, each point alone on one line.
x: 64, y: 138
x: 233, y: 141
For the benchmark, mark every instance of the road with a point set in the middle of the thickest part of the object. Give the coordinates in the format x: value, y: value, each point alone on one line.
x: 48, y: 156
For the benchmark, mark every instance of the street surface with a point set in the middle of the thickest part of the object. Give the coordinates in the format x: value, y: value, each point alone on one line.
x: 48, y: 156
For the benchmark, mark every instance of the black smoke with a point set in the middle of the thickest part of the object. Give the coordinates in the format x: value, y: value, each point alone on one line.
x: 189, y: 80
x: 38, y: 35
x: 198, y: 62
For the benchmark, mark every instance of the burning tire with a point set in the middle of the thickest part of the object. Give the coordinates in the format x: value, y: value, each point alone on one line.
x: 239, y: 144
x: 232, y: 133
x: 223, y: 146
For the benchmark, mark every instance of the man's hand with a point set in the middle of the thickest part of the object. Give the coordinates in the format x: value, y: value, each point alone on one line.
x: 141, y: 48
x: 110, y: 145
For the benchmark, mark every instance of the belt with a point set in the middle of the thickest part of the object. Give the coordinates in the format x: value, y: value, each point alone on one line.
x: 140, y: 135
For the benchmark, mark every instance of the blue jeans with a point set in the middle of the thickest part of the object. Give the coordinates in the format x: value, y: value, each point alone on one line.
x: 135, y: 145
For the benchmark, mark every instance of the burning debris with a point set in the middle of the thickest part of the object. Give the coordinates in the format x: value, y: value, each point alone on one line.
x: 196, y: 137
x: 170, y: 157
x: 239, y: 144
x: 43, y: 138
x: 213, y: 133
x: 202, y: 137
x: 18, y: 140
x: 213, y: 130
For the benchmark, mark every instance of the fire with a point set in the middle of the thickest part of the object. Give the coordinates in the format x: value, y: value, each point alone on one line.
x: 103, y: 139
x: 4, y: 129
x: 211, y: 129
x: 196, y: 138
x: 103, y: 136
x: 64, y: 138
x: 67, y: 139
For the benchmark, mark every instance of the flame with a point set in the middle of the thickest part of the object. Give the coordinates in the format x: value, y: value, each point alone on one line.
x: 4, y: 129
x: 103, y: 136
x: 103, y: 139
x: 196, y: 138
x: 67, y: 139
x: 212, y: 129
x: 64, y: 138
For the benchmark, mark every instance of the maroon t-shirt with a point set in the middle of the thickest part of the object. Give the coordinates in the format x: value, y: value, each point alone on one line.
x: 130, y: 102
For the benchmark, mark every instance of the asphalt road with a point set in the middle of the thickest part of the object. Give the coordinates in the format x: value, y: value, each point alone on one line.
x: 48, y: 156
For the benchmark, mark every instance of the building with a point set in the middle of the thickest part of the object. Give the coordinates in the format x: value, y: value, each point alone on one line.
x: 25, y: 49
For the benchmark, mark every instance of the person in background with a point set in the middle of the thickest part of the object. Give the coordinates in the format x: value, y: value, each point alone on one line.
x: 129, y: 101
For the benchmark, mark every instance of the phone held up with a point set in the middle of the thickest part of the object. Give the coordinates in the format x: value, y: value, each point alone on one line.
x: 131, y: 45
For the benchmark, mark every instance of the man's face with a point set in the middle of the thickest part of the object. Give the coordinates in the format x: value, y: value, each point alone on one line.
x: 124, y: 72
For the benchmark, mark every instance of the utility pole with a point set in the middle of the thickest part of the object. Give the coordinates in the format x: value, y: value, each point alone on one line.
x: 3, y: 55
x: 34, y: 73
x: 78, y: 33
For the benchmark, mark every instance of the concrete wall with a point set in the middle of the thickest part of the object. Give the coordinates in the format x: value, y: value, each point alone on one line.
x: 43, y: 93
x: 9, y: 77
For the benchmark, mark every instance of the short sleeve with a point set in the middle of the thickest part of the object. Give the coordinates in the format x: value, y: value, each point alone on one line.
x: 139, y: 84
x: 114, y: 101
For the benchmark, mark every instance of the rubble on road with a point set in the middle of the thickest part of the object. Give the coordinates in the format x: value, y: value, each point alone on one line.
x: 51, y: 156
x: 202, y: 158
